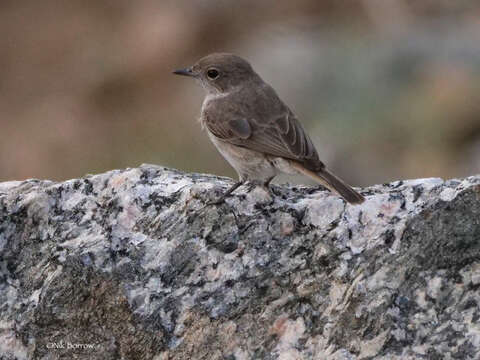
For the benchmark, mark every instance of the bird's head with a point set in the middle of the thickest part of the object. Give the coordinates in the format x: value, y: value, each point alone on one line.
x: 220, y: 72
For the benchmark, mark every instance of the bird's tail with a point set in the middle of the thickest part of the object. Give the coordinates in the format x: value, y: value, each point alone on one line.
x: 331, y: 182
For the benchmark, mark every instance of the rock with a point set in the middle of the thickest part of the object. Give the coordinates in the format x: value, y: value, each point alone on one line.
x: 131, y: 264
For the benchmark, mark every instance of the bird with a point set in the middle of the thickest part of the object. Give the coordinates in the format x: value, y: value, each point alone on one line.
x: 253, y: 129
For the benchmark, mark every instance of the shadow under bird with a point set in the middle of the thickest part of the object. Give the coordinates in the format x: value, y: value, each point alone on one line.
x: 253, y: 128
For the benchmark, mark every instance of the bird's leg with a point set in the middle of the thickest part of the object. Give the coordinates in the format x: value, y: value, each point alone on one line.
x: 267, y: 182
x: 252, y: 184
x: 227, y: 193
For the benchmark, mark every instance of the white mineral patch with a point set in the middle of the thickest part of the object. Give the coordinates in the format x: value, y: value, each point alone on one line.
x: 38, y: 204
x: 11, y: 346
x: 475, y: 274
x: 159, y: 253
x: 321, y: 213
x: 7, y: 185
x: 241, y: 354
x: 448, y: 194
x: 289, y: 332
x: 372, y: 347
x: 72, y: 199
x: 426, y: 183
x: 434, y: 287
x: 259, y: 195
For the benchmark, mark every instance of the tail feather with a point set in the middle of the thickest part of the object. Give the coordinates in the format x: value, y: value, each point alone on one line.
x: 331, y: 182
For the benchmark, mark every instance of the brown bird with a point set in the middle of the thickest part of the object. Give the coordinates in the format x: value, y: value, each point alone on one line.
x: 253, y: 129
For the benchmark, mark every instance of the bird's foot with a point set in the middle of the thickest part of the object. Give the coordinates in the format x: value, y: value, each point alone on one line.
x: 222, y: 198
x: 252, y: 185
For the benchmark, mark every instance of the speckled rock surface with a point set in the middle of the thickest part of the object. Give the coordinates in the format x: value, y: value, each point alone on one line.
x: 132, y: 265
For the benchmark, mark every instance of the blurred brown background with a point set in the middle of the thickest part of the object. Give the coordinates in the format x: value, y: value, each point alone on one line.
x: 388, y: 89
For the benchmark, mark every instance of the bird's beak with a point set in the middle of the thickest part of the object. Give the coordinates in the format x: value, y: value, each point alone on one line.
x: 184, y: 72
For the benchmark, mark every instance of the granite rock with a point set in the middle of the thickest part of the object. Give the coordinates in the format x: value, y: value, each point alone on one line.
x: 132, y: 264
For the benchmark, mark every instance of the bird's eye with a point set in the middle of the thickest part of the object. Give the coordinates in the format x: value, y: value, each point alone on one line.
x: 212, y: 74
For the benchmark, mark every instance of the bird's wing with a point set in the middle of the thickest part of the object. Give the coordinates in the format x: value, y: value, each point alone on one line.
x: 278, y: 134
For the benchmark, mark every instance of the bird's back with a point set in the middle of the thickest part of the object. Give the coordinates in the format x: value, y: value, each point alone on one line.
x: 273, y: 128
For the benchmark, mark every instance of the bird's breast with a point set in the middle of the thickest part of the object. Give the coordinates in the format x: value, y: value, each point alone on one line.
x: 209, y: 101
